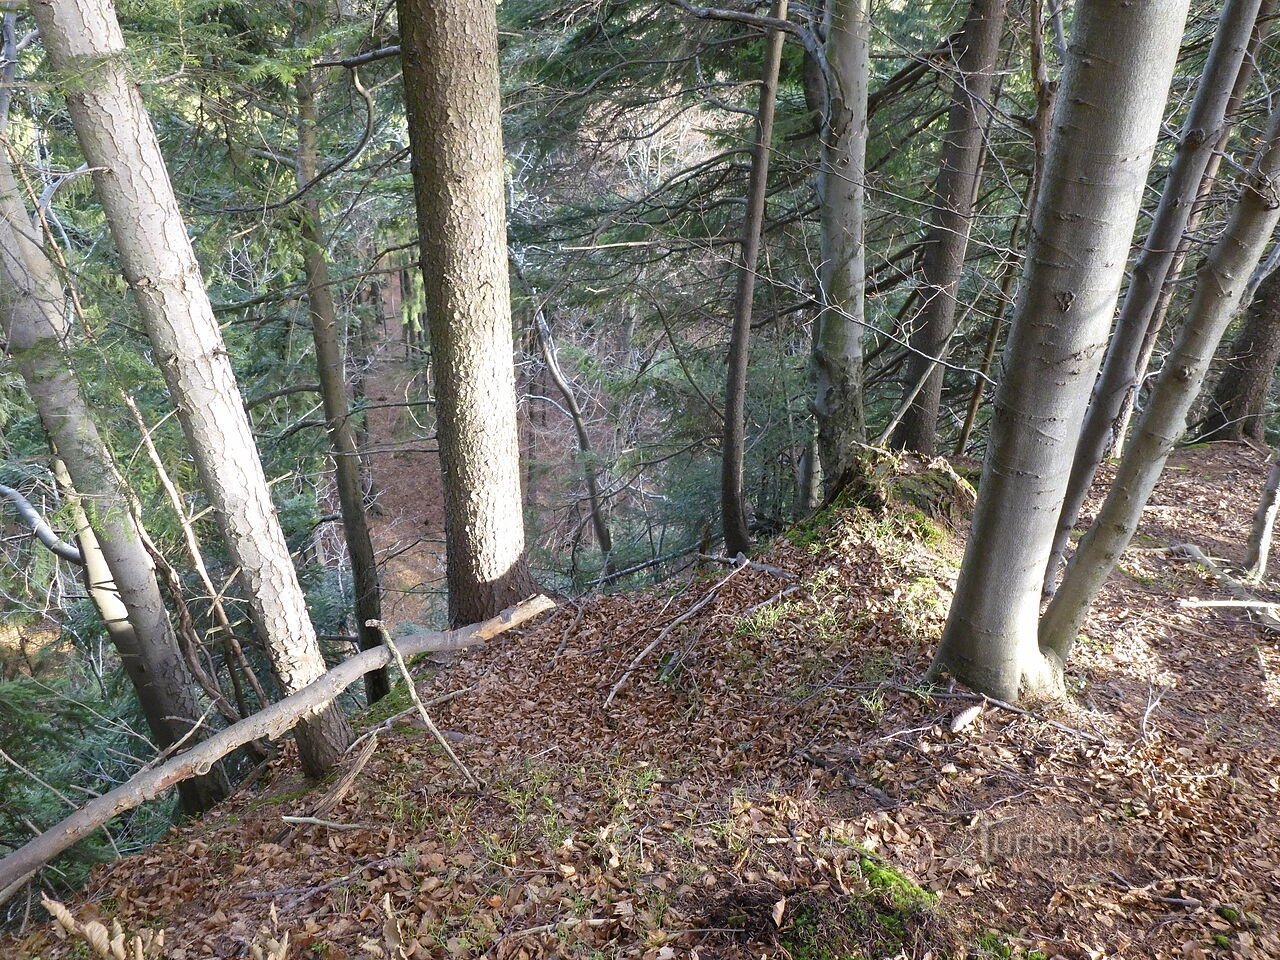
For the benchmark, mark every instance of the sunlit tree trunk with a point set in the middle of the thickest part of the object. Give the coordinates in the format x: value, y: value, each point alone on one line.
x: 85, y: 46
x: 1106, y: 123
x: 119, y: 573
x: 331, y: 372
x: 733, y: 506
x: 1264, y: 523
x: 450, y: 61
x: 836, y: 364
x: 1119, y: 370
x: 952, y: 216
x: 1219, y: 290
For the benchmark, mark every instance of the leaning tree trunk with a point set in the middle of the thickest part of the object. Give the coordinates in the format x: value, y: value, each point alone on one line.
x: 450, y: 60
x: 86, y: 47
x: 733, y: 506
x: 835, y: 368
x: 1119, y: 369
x: 1258, y: 551
x: 1261, y: 29
x: 952, y: 216
x: 120, y: 575
x: 1219, y: 290
x: 331, y: 372
x: 1106, y: 124
x: 1239, y: 405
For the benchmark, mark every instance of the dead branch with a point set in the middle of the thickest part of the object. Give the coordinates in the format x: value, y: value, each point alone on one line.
x: 1266, y: 612
x: 271, y: 722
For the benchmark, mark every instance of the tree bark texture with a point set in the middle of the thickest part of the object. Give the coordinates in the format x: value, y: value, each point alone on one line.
x: 86, y: 47
x: 1200, y: 132
x: 733, y: 506
x: 1219, y: 291
x: 835, y: 368
x: 119, y: 573
x: 450, y: 60
x: 951, y: 219
x: 1238, y: 408
x: 331, y: 372
x: 1105, y: 128
x: 1258, y: 551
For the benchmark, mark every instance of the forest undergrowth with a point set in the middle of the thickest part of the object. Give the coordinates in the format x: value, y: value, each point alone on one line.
x: 773, y: 779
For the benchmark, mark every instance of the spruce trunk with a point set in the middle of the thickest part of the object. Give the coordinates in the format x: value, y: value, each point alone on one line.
x: 450, y: 61
x: 1239, y: 405
x: 733, y: 506
x: 331, y: 372
x: 119, y: 573
x: 952, y: 217
x: 85, y: 45
x: 1106, y: 124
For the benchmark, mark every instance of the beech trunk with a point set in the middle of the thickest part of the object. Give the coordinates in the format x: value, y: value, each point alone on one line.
x: 1105, y: 129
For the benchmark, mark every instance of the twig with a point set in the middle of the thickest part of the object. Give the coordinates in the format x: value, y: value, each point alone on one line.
x: 666, y: 631
x: 992, y: 701
x: 395, y: 718
x: 413, y: 694
x: 753, y: 564
x: 318, y: 822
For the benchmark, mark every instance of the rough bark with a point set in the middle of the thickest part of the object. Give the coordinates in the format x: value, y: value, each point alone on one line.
x: 119, y: 573
x: 836, y: 364
x: 1238, y: 408
x: 270, y: 723
x: 1106, y: 124
x: 450, y: 61
x: 951, y: 218
x: 1219, y: 291
x: 733, y: 507
x: 1264, y: 523
x: 86, y: 47
x: 331, y: 372
x: 1261, y: 29
x: 1119, y: 370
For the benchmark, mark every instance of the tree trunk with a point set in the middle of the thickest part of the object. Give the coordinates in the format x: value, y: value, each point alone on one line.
x: 1261, y: 28
x: 1106, y: 124
x: 952, y: 216
x: 1239, y: 405
x: 835, y: 368
x: 590, y: 462
x: 119, y: 574
x: 331, y: 371
x: 733, y: 507
x: 84, y: 44
x: 450, y: 61
x: 1219, y: 291
x: 1119, y: 369
x: 1264, y: 523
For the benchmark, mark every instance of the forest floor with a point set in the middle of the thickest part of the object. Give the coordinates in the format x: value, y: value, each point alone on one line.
x: 771, y: 781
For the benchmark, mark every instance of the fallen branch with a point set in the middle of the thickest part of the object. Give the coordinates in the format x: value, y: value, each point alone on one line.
x: 42, y: 531
x: 1266, y: 612
x: 271, y: 723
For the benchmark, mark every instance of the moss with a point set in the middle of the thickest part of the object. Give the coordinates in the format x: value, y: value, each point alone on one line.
x: 901, y: 892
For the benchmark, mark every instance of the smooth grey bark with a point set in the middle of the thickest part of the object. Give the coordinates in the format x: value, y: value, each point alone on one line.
x: 1219, y: 290
x: 1238, y: 407
x: 331, y: 372
x: 40, y: 529
x: 119, y: 573
x: 86, y: 47
x: 1258, y: 550
x: 1119, y: 374
x: 733, y: 506
x: 1105, y: 128
x: 835, y: 368
x: 1261, y: 29
x: 450, y: 60
x: 951, y: 218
